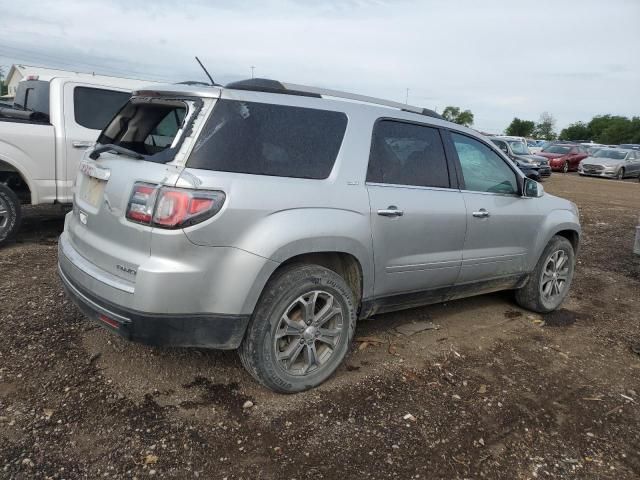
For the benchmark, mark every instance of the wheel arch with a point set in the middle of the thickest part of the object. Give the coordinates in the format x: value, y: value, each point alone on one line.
x: 16, y: 179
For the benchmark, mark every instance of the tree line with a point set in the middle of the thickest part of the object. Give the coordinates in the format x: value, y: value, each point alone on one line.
x: 606, y: 129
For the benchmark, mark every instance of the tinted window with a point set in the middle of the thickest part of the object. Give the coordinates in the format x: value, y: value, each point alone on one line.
x: 265, y: 139
x: 407, y: 154
x: 501, y: 145
x: 482, y: 168
x: 94, y: 107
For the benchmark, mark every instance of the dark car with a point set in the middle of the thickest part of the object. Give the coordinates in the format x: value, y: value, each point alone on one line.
x: 533, y: 166
x: 564, y: 157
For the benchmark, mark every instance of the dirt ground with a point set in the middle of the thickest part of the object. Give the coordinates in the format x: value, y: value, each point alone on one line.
x: 493, y: 391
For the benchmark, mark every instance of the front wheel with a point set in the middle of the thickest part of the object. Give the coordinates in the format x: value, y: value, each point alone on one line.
x: 565, y: 167
x: 301, y: 329
x: 549, y: 282
x: 10, y: 214
x: 620, y: 174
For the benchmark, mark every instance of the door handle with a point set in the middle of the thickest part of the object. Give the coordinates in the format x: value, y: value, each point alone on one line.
x: 79, y: 144
x: 482, y: 213
x: 391, y: 211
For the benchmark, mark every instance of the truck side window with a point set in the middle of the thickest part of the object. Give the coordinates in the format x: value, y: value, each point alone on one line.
x: 407, y: 154
x: 95, y: 107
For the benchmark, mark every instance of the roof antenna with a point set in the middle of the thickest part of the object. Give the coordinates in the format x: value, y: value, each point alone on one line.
x: 213, y: 84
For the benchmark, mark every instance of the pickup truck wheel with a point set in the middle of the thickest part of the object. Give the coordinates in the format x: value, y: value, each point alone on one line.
x: 10, y: 214
x: 549, y: 282
x: 301, y: 329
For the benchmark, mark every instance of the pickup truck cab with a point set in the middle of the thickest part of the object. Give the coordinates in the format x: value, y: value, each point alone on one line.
x: 44, y: 134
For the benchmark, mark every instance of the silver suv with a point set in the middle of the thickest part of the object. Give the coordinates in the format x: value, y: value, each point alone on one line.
x: 271, y: 217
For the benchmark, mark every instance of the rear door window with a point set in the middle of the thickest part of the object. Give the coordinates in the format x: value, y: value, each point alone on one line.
x: 267, y: 139
x: 95, y: 107
x: 407, y: 154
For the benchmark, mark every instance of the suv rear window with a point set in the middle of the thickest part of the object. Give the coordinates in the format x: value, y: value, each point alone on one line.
x: 266, y: 139
x: 148, y: 128
x: 94, y: 107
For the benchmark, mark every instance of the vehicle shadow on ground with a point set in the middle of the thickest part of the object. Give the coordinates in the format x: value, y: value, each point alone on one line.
x: 188, y: 381
x: 41, y: 224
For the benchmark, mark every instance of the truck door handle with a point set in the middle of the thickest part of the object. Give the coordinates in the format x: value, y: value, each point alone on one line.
x: 482, y: 213
x: 391, y: 211
x: 78, y: 144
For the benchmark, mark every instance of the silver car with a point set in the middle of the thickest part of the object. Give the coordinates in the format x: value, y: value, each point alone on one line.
x: 271, y: 217
x: 611, y: 162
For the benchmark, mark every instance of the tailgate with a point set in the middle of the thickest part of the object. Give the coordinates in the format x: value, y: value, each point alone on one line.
x: 97, y: 228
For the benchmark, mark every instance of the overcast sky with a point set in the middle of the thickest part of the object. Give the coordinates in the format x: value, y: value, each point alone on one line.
x: 572, y: 58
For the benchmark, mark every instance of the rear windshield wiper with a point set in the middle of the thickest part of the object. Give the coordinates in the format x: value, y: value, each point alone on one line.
x: 110, y: 147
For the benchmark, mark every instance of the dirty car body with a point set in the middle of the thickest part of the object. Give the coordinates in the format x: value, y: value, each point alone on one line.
x: 197, y: 203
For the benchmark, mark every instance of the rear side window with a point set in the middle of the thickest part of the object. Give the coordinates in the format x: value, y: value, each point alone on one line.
x: 407, y: 154
x: 95, y: 107
x: 266, y: 139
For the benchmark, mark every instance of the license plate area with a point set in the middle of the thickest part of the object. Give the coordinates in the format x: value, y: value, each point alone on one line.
x: 91, y: 190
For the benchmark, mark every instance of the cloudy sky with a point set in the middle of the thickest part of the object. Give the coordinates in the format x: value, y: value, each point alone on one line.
x: 499, y: 58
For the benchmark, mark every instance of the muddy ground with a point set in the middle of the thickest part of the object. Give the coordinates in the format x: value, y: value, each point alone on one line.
x: 493, y: 391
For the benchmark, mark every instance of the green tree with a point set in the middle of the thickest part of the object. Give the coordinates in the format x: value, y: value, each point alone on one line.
x: 456, y: 115
x: 576, y: 131
x: 545, y: 127
x: 520, y: 128
x: 614, y: 129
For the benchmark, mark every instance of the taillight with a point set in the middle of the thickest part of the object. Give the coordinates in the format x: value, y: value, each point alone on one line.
x: 166, y: 207
x: 141, y: 202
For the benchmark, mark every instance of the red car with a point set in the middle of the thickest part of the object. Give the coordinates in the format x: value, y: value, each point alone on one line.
x: 564, y: 157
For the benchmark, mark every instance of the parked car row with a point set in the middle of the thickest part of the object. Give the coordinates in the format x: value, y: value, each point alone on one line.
x: 533, y: 166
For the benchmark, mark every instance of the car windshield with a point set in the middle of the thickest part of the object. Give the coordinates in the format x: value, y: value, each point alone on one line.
x: 519, y: 148
x: 614, y: 154
x: 556, y: 149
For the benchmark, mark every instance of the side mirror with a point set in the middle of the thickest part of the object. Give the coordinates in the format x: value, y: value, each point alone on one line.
x: 532, y: 188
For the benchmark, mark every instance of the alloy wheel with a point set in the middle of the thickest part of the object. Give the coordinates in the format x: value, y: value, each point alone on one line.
x: 4, y: 216
x: 308, y: 333
x: 555, y: 275
x: 565, y: 167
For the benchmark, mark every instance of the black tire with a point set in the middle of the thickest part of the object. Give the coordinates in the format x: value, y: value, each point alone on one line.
x: 11, y: 218
x: 620, y: 174
x: 260, y: 346
x: 530, y: 296
x: 565, y: 167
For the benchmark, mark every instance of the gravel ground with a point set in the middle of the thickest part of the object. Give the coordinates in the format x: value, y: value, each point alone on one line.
x: 491, y: 391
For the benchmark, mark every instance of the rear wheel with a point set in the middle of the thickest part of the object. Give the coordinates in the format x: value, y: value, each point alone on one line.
x: 549, y: 282
x: 565, y: 167
x: 301, y: 329
x: 620, y: 174
x: 10, y: 214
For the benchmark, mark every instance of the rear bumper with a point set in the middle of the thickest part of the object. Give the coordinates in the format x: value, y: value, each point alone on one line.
x: 224, y: 332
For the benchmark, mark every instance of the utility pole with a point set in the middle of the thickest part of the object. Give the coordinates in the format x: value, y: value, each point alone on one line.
x: 406, y: 98
x: 252, y: 69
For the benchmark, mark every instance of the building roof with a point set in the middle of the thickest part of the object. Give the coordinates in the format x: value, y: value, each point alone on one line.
x: 48, y: 73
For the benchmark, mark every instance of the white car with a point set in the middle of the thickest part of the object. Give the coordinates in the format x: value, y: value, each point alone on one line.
x: 44, y: 133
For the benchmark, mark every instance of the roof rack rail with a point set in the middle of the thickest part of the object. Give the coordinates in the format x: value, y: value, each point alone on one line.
x: 273, y: 86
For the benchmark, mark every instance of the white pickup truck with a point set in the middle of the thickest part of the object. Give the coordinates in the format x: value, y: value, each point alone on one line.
x: 43, y: 136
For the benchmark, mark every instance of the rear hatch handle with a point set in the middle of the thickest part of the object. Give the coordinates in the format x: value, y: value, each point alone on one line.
x: 114, y: 148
